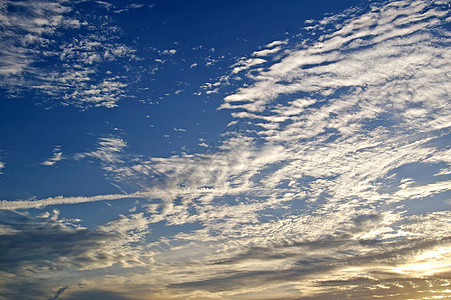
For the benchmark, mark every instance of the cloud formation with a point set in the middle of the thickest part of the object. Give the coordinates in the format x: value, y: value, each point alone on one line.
x: 32, y: 35
x: 49, y: 244
x: 57, y: 156
x: 108, y: 151
x: 329, y: 127
x: 25, y: 32
x: 312, y: 190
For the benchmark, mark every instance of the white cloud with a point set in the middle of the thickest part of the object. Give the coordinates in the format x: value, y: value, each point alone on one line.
x: 276, y: 43
x: 57, y: 156
x: 359, y: 67
x: 245, y: 64
x: 266, y: 52
x: 108, y: 151
x: 169, y: 52
x: 60, y: 200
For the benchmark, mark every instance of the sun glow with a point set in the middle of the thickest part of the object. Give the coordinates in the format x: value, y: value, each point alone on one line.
x: 429, y: 263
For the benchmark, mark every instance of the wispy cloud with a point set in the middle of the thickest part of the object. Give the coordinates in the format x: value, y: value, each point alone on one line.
x: 108, y: 151
x: 59, y: 200
x: 57, y: 156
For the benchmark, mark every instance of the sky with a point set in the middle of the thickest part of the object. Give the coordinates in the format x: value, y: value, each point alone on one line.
x: 225, y: 149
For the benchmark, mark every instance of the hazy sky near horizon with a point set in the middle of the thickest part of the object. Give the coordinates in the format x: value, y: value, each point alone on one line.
x: 225, y: 149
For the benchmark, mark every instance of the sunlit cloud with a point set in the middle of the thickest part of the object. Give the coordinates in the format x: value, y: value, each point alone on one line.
x: 312, y: 190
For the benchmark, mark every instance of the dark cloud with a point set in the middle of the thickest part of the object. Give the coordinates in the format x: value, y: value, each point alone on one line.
x: 96, y: 294
x: 19, y: 287
x: 48, y: 244
x: 321, y: 257
x: 250, y: 279
x: 59, y: 292
x: 35, y: 249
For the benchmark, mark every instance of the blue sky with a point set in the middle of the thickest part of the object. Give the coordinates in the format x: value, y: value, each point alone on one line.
x: 225, y: 149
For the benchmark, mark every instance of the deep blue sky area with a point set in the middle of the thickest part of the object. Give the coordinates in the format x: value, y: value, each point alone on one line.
x: 224, y: 149
x: 223, y: 24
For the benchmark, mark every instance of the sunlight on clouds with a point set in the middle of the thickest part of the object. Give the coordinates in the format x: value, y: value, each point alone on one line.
x: 310, y: 191
x: 429, y: 263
